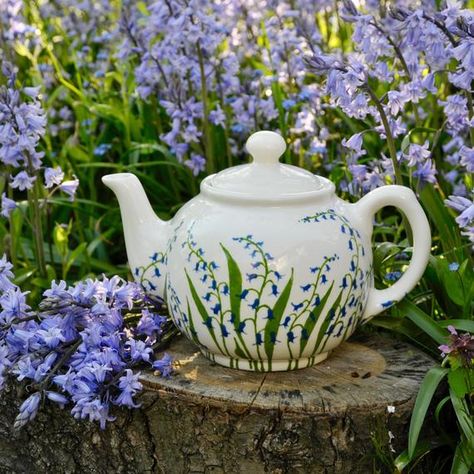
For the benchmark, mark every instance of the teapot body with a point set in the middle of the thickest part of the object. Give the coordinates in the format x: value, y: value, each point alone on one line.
x: 264, y: 287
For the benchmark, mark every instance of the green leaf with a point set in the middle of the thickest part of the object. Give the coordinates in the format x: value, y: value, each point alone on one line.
x: 422, y: 320
x: 463, y: 459
x: 422, y: 448
x: 311, y: 321
x: 235, y: 287
x: 463, y: 415
x: 427, y: 389
x: 73, y: 256
x: 272, y: 325
x: 449, y: 236
x: 192, y: 329
x: 459, y: 324
x: 200, y: 307
x: 461, y: 380
x: 235, y: 291
x: 326, y: 322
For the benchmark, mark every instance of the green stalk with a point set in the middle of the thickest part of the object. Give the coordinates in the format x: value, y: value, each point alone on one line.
x: 393, y: 153
x: 33, y: 198
x: 205, y: 105
x: 388, y: 133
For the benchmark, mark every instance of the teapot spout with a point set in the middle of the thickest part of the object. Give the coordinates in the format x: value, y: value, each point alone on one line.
x: 146, y: 235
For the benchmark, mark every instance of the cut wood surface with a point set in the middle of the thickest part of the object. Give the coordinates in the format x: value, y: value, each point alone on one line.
x: 331, y: 418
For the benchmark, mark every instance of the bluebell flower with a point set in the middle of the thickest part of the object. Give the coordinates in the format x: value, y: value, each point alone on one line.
x: 207, y: 296
x: 216, y: 308
x: 270, y: 313
x: 291, y: 336
x: 306, y: 287
x: 393, y: 276
x: 275, y: 291
x: 258, y: 339
x: 164, y: 365
x: 28, y: 410
x: 286, y: 321
x: 7, y: 206
x: 70, y: 188
x: 241, y: 327
x: 102, y: 149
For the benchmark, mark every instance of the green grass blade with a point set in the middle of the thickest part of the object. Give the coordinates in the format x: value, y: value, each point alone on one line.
x: 459, y: 324
x: 463, y: 459
x: 465, y: 419
x: 427, y: 389
x: 422, y: 320
x: 273, y: 324
x: 311, y: 321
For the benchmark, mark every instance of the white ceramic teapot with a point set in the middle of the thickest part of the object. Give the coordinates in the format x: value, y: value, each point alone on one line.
x: 266, y: 269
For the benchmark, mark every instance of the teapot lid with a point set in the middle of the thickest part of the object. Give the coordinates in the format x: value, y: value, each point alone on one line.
x: 265, y: 178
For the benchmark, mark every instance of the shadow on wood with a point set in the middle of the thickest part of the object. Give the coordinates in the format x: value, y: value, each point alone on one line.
x: 210, y: 419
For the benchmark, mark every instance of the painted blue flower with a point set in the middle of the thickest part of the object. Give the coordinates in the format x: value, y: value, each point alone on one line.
x: 255, y: 303
x: 154, y: 257
x: 304, y: 334
x: 224, y: 331
x: 278, y: 275
x: 387, y: 304
x: 157, y: 272
x: 241, y: 327
x: 225, y: 289
x: 314, y: 269
x: 324, y: 279
x: 208, y: 322
x: 204, y: 278
x: 317, y: 301
x: 216, y: 308
x: 297, y: 307
x: 251, y: 276
x: 350, y: 245
x: 269, y: 313
x: 244, y: 294
x: 207, y: 296
x: 273, y: 339
x: 286, y: 321
x: 275, y: 291
x: 258, y: 339
x: 344, y: 283
x: 306, y: 287
x: 291, y: 336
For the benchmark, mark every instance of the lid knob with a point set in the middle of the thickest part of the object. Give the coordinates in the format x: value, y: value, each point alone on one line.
x: 266, y: 146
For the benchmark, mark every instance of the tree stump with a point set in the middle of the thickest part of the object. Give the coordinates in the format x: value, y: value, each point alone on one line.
x: 331, y: 418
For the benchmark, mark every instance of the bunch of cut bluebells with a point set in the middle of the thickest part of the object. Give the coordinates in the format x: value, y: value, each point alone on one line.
x: 81, y: 346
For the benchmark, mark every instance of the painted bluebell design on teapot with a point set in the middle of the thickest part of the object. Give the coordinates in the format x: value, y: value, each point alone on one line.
x: 266, y: 269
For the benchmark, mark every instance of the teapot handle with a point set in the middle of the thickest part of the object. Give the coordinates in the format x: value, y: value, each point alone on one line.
x: 405, y: 199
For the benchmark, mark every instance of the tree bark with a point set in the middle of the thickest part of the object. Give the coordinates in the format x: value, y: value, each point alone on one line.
x: 331, y: 418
